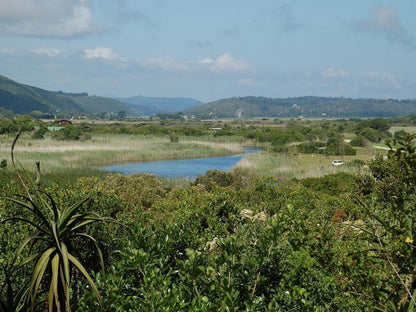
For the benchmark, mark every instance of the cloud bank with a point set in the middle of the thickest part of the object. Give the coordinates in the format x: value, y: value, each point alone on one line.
x: 47, y: 18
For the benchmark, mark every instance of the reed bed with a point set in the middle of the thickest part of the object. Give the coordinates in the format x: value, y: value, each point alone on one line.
x: 285, y: 166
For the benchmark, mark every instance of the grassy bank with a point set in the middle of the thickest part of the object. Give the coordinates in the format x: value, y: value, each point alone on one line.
x: 299, y: 166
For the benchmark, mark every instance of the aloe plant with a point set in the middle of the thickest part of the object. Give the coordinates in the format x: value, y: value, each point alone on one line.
x: 51, y: 247
x: 10, y: 299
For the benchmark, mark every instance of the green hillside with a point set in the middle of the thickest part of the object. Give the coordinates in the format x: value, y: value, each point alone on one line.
x: 98, y: 104
x: 20, y: 98
x: 308, y: 107
x: 60, y: 100
x: 23, y: 99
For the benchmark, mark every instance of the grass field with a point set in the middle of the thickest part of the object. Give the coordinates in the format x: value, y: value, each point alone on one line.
x: 284, y: 166
x: 410, y: 130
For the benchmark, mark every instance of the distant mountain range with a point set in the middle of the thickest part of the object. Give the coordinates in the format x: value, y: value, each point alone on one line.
x: 24, y: 99
x: 308, y: 107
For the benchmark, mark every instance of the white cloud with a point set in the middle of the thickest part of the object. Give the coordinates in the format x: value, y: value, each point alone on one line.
x: 100, y: 52
x: 206, y: 61
x: 46, y: 18
x: 50, y: 52
x: 385, y: 21
x: 226, y: 62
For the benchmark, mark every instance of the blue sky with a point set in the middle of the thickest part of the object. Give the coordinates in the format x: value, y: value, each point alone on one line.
x: 213, y: 49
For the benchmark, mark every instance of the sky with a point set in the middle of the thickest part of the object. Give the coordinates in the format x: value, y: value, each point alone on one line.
x: 209, y: 50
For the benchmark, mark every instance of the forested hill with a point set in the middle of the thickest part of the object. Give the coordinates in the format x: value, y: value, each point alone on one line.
x: 23, y: 99
x: 308, y: 107
x: 141, y: 105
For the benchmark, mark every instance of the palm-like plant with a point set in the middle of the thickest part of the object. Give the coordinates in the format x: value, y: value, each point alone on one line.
x: 51, y: 246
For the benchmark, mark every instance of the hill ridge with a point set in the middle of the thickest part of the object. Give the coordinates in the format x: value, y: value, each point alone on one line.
x: 303, y: 106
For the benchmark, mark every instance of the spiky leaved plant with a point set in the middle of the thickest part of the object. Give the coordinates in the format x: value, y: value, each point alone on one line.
x: 56, y: 230
x: 51, y: 245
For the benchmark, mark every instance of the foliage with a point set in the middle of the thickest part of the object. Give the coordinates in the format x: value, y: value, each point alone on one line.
x: 8, y: 126
x: 310, y: 147
x: 3, y: 164
x: 40, y: 134
x: 56, y: 233
x: 401, y: 134
x: 231, y: 241
x: 69, y: 132
x: 336, y: 146
x: 335, y: 184
x: 359, y: 141
x: 389, y: 227
x: 374, y: 130
x: 139, y: 190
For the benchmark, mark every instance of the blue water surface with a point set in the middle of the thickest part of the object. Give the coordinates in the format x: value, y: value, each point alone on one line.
x: 186, y: 168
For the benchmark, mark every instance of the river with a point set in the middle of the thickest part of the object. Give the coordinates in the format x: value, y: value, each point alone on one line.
x: 183, y: 168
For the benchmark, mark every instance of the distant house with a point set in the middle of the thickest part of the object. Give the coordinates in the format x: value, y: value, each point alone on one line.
x: 63, y: 122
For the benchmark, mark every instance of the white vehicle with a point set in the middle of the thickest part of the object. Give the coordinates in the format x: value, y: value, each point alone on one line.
x: 337, y: 163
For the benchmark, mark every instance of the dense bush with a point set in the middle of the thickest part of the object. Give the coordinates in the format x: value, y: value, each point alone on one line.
x: 334, y: 184
x: 69, y: 132
x: 336, y: 146
x: 310, y: 147
x: 40, y: 133
x: 359, y: 141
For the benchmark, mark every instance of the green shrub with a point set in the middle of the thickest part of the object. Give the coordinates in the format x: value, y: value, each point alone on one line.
x: 40, y: 133
x: 69, y: 132
x: 310, y: 147
x: 333, y: 184
x: 360, y: 141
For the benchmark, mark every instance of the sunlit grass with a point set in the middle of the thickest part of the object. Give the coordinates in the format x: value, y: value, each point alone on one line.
x: 410, y: 130
x: 285, y: 166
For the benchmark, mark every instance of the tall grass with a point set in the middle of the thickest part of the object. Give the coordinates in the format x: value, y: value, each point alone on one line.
x: 285, y: 166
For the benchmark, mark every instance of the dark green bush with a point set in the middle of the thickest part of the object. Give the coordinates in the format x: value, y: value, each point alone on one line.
x: 310, y: 147
x: 360, y: 141
x: 69, y: 132
x: 40, y: 134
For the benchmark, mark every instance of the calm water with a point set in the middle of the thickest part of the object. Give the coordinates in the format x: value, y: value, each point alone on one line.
x: 188, y: 168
